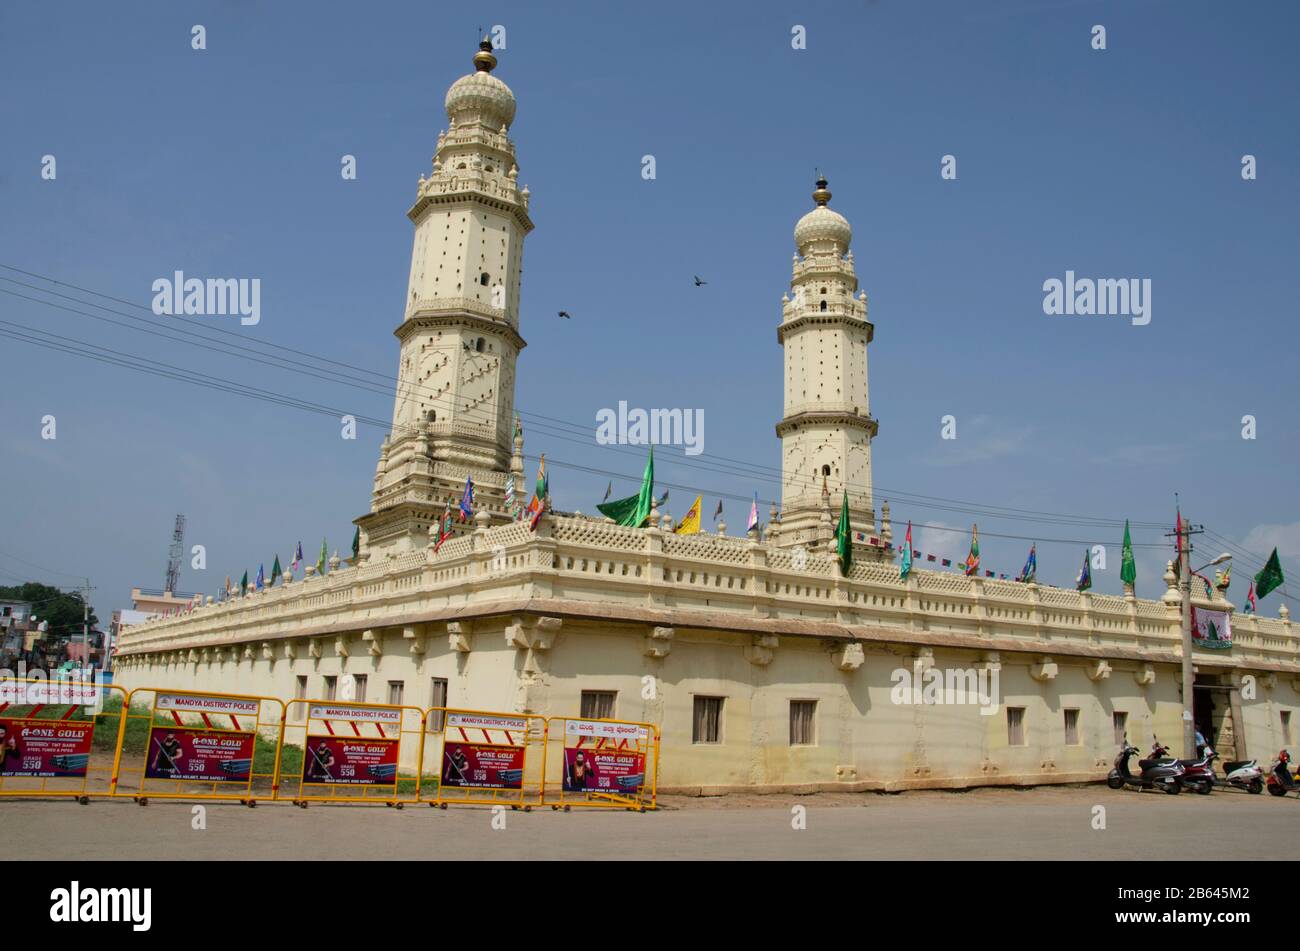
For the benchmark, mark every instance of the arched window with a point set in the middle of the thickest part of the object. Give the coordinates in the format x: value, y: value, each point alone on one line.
x: 823, y: 307
x: 432, y: 415
x: 826, y: 470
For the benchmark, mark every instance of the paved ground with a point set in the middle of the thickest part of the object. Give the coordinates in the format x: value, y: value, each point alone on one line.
x: 989, y: 823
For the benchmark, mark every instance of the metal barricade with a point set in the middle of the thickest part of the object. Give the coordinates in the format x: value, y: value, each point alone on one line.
x: 182, y: 744
x: 59, y: 737
x: 485, y: 758
x: 340, y: 751
x: 609, y: 764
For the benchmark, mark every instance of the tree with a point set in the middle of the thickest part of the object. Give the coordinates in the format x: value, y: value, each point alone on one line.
x: 62, y: 609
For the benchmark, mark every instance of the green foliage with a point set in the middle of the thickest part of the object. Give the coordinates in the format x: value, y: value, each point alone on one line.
x: 61, y: 608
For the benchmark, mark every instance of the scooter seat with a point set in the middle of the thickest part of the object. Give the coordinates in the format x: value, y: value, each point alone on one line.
x: 1149, y: 763
x: 1236, y: 765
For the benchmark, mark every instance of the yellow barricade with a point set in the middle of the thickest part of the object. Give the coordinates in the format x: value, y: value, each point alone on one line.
x: 59, y: 737
x: 341, y: 751
x: 185, y: 744
x: 609, y: 764
x: 485, y: 758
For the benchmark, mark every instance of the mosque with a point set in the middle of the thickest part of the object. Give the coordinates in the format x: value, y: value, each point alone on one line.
x: 764, y: 665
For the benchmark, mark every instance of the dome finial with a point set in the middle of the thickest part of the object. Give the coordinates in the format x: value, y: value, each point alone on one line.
x: 821, y: 196
x: 484, y: 60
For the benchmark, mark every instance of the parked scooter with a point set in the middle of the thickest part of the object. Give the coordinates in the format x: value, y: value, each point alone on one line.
x: 1244, y: 774
x: 1198, y: 774
x: 1155, y: 773
x: 1280, y: 780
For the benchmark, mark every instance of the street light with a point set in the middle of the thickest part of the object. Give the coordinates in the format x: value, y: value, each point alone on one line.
x: 1218, y: 561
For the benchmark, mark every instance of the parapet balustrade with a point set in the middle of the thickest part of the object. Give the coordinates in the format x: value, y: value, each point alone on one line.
x: 592, y: 559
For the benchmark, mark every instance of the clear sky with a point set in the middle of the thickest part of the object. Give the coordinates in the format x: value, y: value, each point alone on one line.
x: 226, y: 162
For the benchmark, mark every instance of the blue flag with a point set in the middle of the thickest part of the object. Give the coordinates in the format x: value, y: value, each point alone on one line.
x: 467, y: 501
x: 1030, y: 571
x: 261, y: 579
x: 1084, y: 581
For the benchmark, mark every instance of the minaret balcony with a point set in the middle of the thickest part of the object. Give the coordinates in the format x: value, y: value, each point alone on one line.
x: 811, y: 266
x: 826, y: 414
x: 797, y: 318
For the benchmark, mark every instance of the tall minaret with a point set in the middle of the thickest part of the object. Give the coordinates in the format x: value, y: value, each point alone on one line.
x: 827, y: 429
x: 454, y: 409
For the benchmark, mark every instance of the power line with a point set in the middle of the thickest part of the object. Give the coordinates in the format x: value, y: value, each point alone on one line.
x: 546, y: 424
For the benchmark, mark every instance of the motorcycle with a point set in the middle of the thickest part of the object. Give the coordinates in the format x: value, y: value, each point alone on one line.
x: 1280, y: 780
x: 1155, y: 773
x: 1244, y: 774
x: 1198, y: 774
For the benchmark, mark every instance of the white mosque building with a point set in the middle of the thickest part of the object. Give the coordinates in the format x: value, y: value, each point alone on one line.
x: 768, y: 668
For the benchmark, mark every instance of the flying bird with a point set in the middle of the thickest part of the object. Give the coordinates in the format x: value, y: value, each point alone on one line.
x: 699, y: 282
x: 564, y: 314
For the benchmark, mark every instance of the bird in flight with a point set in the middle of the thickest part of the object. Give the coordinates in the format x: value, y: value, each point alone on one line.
x: 699, y: 282
x: 565, y: 314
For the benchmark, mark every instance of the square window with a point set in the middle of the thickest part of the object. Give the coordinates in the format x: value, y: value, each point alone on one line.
x: 707, y: 722
x: 1015, y: 726
x: 803, y: 722
x: 598, y: 704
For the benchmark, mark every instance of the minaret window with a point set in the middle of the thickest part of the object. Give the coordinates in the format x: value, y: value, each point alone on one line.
x: 483, y: 279
x: 823, y: 305
x: 479, y: 345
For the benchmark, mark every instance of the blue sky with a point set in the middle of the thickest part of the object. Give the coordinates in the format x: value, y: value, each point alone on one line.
x: 1117, y: 163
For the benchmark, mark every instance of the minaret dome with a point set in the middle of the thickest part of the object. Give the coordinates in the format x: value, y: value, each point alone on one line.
x: 821, y: 226
x: 481, y: 97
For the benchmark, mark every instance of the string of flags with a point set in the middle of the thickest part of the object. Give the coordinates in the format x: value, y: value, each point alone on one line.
x: 634, y: 510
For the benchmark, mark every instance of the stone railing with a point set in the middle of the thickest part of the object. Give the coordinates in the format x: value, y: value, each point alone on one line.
x: 584, y: 559
x: 434, y: 304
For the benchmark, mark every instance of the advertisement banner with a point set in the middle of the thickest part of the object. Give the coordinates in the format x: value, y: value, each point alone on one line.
x: 355, y: 714
x: 202, y: 703
x: 44, y: 748
x: 614, y: 771
x: 486, y: 722
x: 1211, y: 630
x: 214, y: 756
x: 482, y: 766
x: 607, y: 730
x: 354, y: 761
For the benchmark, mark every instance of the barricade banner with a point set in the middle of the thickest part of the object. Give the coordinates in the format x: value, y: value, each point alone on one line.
x: 58, y: 737
x: 484, y: 757
x: 604, y: 763
x: 189, y: 745
x: 354, y: 752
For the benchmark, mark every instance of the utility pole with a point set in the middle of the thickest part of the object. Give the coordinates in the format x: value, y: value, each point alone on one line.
x: 85, y: 622
x: 1184, y: 533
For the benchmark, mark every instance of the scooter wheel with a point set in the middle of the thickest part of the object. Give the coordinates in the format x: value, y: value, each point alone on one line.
x: 1276, y: 790
x: 1114, y: 782
x: 1173, y: 789
x: 1205, y: 788
x: 1255, y: 788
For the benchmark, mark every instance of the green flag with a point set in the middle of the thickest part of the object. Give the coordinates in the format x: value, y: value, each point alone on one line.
x: 243, y: 584
x: 356, y: 544
x: 320, y: 562
x: 1269, y: 577
x: 1128, y: 567
x: 275, y: 570
x: 635, y: 509
x: 844, y: 537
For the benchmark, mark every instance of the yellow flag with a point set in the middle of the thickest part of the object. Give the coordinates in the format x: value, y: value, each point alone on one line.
x: 690, y: 525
